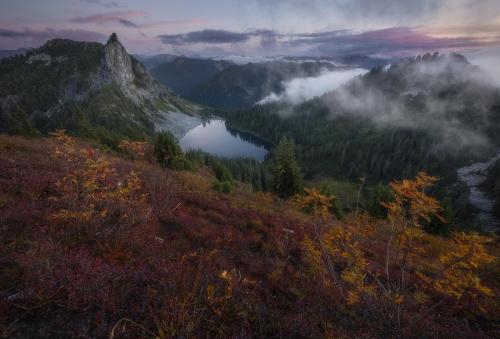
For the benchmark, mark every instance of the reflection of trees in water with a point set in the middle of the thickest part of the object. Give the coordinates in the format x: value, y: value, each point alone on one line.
x: 206, y: 119
x: 248, y: 137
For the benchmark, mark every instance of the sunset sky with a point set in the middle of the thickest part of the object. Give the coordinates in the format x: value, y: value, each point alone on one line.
x: 260, y: 27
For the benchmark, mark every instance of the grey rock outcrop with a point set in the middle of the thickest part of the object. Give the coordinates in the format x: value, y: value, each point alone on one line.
x: 119, y: 63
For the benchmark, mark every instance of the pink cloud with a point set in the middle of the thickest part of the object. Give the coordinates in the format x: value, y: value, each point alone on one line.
x: 175, y: 23
x: 393, y: 41
x: 120, y: 17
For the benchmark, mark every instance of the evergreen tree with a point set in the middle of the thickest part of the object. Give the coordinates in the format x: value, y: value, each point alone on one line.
x: 376, y: 197
x: 166, y: 150
x: 287, y: 177
x: 18, y: 122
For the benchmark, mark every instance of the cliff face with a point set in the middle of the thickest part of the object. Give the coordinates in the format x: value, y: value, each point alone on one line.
x: 122, y: 69
x: 166, y: 110
x: 119, y: 63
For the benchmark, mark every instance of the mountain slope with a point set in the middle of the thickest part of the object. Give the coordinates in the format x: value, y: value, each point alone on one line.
x: 434, y: 113
x: 154, y: 60
x: 11, y: 52
x: 224, y: 84
x: 243, y: 86
x: 442, y: 99
x: 183, y: 74
x: 87, y: 88
x: 164, y: 250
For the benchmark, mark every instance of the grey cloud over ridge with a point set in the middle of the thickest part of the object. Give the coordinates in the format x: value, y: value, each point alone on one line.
x: 120, y: 17
x: 378, y: 13
x: 214, y: 36
x: 32, y: 38
x: 358, y: 15
x: 389, y: 41
x: 127, y: 23
x: 106, y: 4
x: 7, y: 33
x: 49, y: 33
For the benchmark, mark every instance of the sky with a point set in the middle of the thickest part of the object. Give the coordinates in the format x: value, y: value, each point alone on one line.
x: 382, y: 28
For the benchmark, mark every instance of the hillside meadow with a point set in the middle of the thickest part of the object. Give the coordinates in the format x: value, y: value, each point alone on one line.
x: 95, y: 243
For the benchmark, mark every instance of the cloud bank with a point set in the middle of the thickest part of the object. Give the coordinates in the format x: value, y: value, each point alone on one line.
x: 106, y: 4
x: 340, y: 27
x: 436, y: 93
x: 303, y: 89
x: 395, y: 41
x: 120, y: 17
x: 213, y: 36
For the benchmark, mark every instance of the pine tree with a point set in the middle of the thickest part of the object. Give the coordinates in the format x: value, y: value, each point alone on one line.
x: 166, y: 150
x: 287, y: 177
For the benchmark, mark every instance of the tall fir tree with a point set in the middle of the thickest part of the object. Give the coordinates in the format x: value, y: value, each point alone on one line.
x: 166, y: 150
x: 287, y: 177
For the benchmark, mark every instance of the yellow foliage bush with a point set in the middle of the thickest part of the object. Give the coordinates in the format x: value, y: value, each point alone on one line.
x: 97, y: 199
x: 396, y: 281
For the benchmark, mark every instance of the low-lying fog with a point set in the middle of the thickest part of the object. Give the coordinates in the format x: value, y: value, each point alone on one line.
x: 303, y: 89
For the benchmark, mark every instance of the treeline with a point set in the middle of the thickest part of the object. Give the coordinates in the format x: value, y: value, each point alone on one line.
x: 344, y: 147
x: 280, y: 173
x: 246, y: 170
x: 348, y: 149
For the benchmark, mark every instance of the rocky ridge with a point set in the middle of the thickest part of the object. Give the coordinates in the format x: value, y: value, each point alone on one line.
x: 75, y: 74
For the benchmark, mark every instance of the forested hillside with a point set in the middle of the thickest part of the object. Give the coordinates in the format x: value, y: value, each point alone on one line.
x: 388, y: 123
x: 434, y: 113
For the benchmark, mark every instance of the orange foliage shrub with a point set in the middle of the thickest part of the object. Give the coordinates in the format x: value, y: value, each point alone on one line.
x: 97, y: 246
x: 136, y: 149
x: 398, y: 285
x: 98, y: 204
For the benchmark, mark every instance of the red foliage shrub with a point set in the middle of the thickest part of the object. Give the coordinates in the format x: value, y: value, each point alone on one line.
x: 89, y: 241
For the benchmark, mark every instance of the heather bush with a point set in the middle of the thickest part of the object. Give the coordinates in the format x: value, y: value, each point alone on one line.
x: 93, y: 245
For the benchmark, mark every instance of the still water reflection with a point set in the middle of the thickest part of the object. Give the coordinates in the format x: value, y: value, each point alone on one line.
x: 216, y: 138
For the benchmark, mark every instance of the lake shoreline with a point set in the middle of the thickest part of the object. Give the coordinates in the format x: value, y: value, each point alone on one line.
x: 214, y: 136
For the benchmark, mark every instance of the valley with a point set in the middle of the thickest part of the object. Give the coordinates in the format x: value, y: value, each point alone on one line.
x: 283, y: 169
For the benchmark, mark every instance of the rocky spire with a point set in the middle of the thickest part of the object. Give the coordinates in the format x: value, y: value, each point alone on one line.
x: 129, y: 74
x: 113, y: 38
x: 118, y: 61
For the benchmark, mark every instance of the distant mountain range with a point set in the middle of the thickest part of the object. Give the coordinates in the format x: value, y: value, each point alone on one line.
x: 12, y: 52
x: 183, y: 75
x: 151, y: 61
x: 362, y: 61
x: 227, y: 85
x: 90, y: 89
